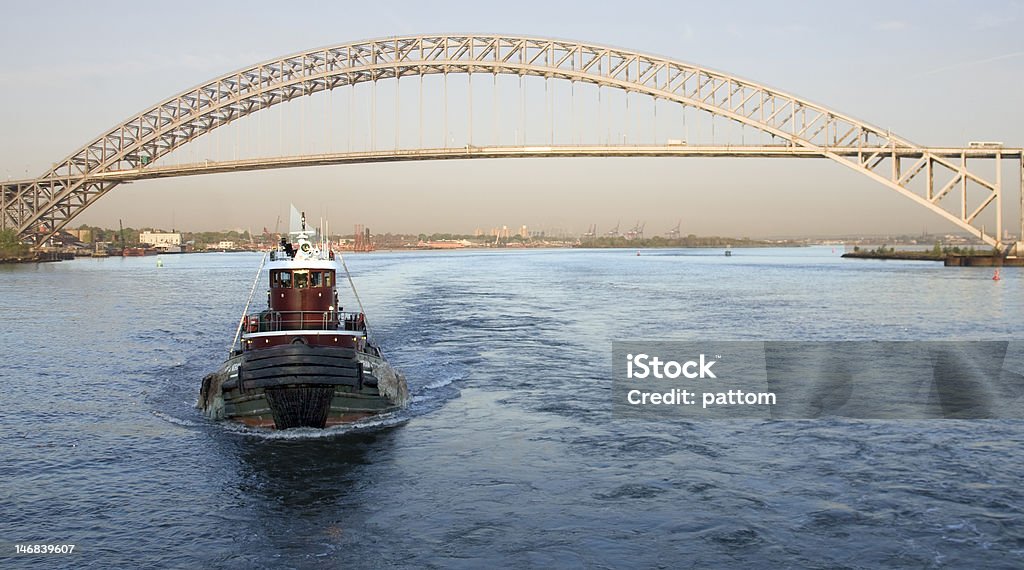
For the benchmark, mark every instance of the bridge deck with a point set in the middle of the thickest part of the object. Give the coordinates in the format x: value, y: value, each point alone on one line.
x: 392, y: 155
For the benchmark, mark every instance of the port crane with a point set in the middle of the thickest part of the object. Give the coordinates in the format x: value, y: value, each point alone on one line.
x: 637, y: 232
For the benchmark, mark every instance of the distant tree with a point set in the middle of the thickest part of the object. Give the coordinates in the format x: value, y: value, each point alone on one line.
x: 10, y: 245
x: 8, y: 238
x: 937, y: 250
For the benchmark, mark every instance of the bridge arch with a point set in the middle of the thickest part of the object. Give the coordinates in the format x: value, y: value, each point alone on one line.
x: 45, y: 204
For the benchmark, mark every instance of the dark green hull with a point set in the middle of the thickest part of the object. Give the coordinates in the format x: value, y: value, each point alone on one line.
x: 302, y: 386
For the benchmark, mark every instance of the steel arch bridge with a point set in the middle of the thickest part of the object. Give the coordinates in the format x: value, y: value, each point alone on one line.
x: 132, y: 150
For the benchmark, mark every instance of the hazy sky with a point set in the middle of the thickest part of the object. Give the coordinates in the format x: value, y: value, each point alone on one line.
x: 935, y: 72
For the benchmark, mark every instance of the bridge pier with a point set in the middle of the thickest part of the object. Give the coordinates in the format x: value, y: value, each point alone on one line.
x: 7, y: 195
x: 998, y: 190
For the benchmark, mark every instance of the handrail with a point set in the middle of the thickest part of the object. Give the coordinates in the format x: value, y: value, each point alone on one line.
x: 351, y: 284
x: 245, y: 311
x: 274, y: 321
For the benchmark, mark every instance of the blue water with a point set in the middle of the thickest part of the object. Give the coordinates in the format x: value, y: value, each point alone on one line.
x: 509, y: 454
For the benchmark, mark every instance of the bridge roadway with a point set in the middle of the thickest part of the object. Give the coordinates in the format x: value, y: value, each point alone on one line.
x: 470, y: 151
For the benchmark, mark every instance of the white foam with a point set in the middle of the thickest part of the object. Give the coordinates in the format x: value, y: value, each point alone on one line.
x: 174, y: 420
x: 385, y: 420
x: 439, y: 384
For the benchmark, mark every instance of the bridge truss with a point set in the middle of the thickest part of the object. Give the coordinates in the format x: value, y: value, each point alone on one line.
x: 948, y: 181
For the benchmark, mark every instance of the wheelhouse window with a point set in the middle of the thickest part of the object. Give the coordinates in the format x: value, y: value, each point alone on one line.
x: 300, y: 279
x: 281, y: 279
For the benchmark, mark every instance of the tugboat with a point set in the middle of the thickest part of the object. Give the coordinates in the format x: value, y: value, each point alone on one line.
x: 302, y: 361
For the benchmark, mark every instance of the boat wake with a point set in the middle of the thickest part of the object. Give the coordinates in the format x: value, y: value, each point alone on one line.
x: 176, y: 421
x: 374, y: 423
x: 440, y: 383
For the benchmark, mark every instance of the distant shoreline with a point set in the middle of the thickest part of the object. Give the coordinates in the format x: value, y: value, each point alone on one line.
x: 42, y: 257
x: 970, y: 259
x: 900, y: 254
x: 684, y: 246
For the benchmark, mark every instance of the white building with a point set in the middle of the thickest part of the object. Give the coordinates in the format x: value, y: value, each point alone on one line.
x: 160, y: 239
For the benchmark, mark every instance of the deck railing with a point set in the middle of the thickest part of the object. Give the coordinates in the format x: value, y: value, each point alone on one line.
x: 274, y: 321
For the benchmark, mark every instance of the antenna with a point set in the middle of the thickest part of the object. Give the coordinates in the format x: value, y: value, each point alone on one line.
x: 323, y: 234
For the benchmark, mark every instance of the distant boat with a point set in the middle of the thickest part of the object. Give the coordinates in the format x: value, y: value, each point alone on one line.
x: 137, y: 252
x: 728, y: 251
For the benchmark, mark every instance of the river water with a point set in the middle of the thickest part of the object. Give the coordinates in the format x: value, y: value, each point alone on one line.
x: 510, y: 454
